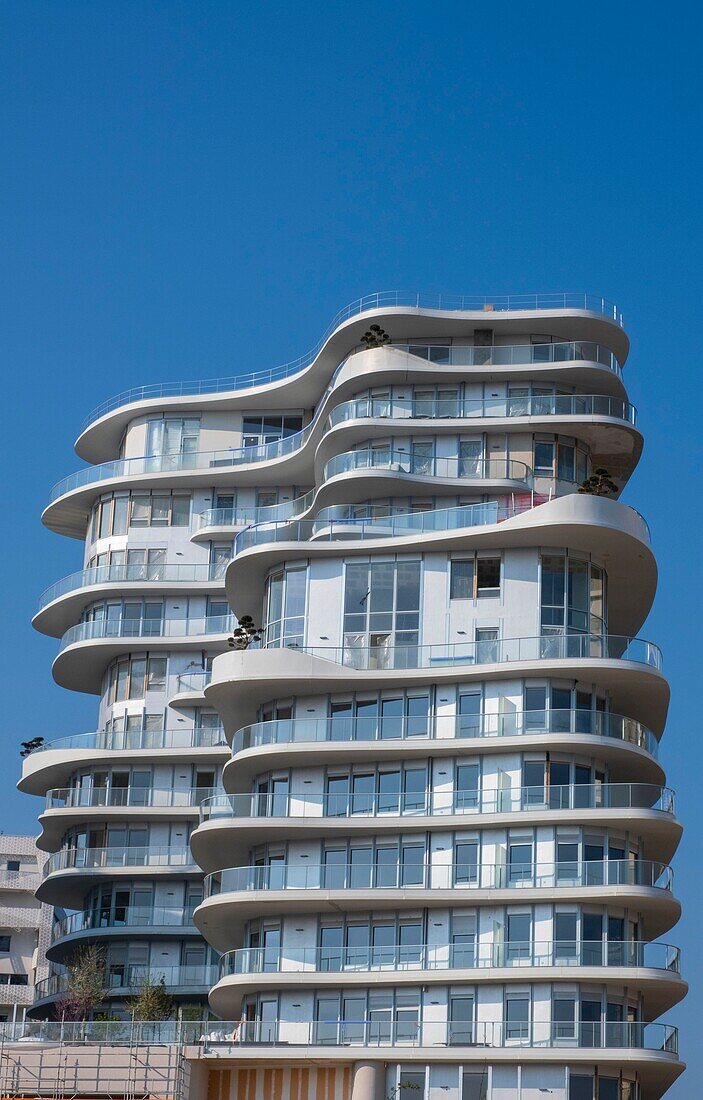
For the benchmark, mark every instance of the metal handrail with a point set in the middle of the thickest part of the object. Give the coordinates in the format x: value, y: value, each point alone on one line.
x: 126, y: 916
x: 558, y: 647
x: 405, y: 462
x: 135, y: 976
x: 319, y: 804
x: 458, y: 408
x: 127, y: 797
x: 147, y: 855
x: 134, y: 740
x: 210, y: 1035
x: 592, y: 303
x: 451, y: 956
x: 402, y: 1031
x: 339, y: 522
x: 445, y: 726
x: 149, y: 573
x: 100, y: 629
x: 567, y: 873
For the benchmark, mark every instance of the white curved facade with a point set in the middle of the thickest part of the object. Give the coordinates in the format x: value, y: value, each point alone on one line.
x: 441, y: 857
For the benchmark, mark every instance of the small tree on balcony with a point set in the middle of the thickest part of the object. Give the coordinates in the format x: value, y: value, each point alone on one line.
x: 153, y: 1001
x: 246, y: 634
x: 85, y: 986
x: 599, y: 484
x: 31, y: 745
x: 374, y: 337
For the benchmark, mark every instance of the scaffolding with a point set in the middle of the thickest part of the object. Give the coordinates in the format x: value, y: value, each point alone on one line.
x: 66, y: 1070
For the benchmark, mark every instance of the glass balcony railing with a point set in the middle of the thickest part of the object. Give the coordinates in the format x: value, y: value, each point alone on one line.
x: 342, y: 521
x: 124, y: 916
x: 384, y: 299
x: 120, y: 468
x: 134, y: 574
x: 450, y: 956
x: 209, y: 1035
x: 408, y: 1031
x: 457, y: 408
x: 101, y: 629
x: 339, y: 522
x: 141, y: 797
x: 438, y: 727
x: 280, y: 876
x: 225, y: 517
x: 176, y: 978
x: 553, y: 647
x: 193, y: 682
x: 404, y: 462
x: 122, y: 740
x: 508, y: 355
x: 148, y: 855
x: 381, y: 803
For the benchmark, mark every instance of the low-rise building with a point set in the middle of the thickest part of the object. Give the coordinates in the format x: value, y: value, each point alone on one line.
x: 25, y: 926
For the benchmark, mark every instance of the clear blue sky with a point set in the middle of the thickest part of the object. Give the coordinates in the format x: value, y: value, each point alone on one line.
x: 193, y: 189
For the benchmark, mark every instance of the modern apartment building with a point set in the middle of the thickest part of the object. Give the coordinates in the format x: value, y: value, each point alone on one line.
x: 428, y: 805
x: 25, y: 926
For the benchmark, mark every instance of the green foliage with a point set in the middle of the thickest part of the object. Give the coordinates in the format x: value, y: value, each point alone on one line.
x: 599, y: 484
x: 31, y: 745
x: 85, y: 984
x: 374, y: 337
x: 246, y: 634
x: 153, y: 1002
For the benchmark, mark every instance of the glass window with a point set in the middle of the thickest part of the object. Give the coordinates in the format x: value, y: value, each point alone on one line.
x: 564, y: 1015
x: 461, y: 582
x: 412, y: 865
x: 141, y: 511
x: 180, y: 511
x: 466, y: 862
x: 487, y: 576
x: 580, y: 1087
x: 517, y: 1016
x: 518, y: 936
x: 474, y: 1084
x: 544, y: 458
x: 469, y: 715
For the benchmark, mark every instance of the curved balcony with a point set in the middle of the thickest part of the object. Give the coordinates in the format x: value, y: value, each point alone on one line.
x: 180, y: 981
x: 237, y: 894
x: 416, y: 304
x: 352, y: 878
x: 141, y: 798
x: 658, y: 967
x: 579, y: 521
x: 628, y: 668
x: 229, y: 824
x: 462, y: 355
x: 479, y: 1036
x: 449, y: 727
x: 127, y: 921
x: 57, y: 610
x: 127, y: 916
x: 51, y: 763
x: 86, y: 649
x: 69, y: 872
x: 450, y: 956
x: 550, y: 647
x: 423, y: 408
x: 605, y: 424
x: 217, y: 520
x: 66, y: 805
x: 190, y: 688
x: 506, y: 472
x: 321, y: 804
